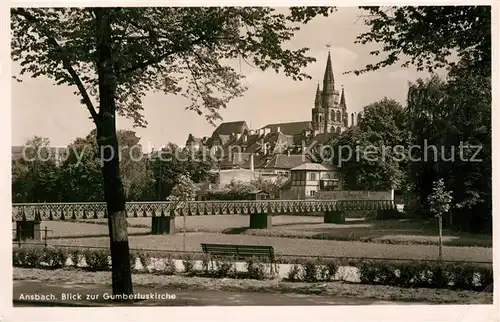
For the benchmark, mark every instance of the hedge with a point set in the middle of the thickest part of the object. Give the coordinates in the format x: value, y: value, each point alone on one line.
x: 465, y: 276
x: 462, y: 276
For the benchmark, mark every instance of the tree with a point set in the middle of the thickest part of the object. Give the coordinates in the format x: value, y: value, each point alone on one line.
x: 439, y: 202
x: 35, y: 175
x: 82, y: 169
x: 81, y: 172
x: 184, y: 191
x: 115, y: 55
x: 270, y: 187
x: 429, y: 36
x: 368, y: 154
x: 173, y: 161
x: 451, y: 121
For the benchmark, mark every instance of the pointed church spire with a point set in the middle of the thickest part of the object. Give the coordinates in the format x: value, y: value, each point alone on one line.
x: 317, y: 101
x: 342, y: 98
x: 328, y: 81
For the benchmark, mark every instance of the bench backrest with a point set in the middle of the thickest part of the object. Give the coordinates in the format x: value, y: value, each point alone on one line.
x: 239, y: 251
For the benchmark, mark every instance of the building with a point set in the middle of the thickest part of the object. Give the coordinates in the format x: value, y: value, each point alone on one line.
x: 329, y: 117
x: 309, y: 178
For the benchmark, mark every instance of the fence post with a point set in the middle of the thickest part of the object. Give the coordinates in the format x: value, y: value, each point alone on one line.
x: 45, y: 237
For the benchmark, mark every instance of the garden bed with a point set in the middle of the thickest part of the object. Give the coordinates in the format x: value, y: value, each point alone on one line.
x: 404, y: 274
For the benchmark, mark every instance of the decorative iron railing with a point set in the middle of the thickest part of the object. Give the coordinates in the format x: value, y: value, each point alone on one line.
x: 64, y: 211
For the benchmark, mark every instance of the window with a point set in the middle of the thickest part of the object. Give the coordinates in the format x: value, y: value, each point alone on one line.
x: 312, y: 193
x: 338, y: 116
x: 312, y: 176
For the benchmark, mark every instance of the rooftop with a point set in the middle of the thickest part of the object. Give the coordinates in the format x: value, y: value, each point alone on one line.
x: 313, y: 167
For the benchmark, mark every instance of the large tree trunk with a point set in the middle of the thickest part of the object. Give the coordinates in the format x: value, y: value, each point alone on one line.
x: 108, y: 147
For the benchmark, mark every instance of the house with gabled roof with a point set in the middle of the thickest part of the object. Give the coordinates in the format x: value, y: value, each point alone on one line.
x: 308, y: 178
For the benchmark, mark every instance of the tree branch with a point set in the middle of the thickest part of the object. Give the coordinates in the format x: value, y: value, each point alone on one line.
x: 65, y: 60
x: 158, y: 59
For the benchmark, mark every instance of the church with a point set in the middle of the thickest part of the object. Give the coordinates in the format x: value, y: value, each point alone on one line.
x: 329, y: 117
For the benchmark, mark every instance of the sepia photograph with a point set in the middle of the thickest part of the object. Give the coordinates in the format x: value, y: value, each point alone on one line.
x: 251, y: 156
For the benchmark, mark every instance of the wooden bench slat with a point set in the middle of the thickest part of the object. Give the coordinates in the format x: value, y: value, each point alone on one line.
x: 240, y: 251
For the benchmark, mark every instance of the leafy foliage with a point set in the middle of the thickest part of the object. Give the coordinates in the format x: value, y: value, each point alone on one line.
x: 239, y: 190
x: 175, y: 50
x: 425, y: 274
x: 440, y: 199
x: 429, y: 36
x: 451, y: 121
x: 35, y: 175
x: 172, y: 162
x: 184, y: 190
x: 369, y: 160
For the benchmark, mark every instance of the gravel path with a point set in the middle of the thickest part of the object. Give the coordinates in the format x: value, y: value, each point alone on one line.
x: 292, y: 246
x: 73, y: 279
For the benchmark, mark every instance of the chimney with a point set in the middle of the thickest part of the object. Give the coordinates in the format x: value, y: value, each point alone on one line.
x: 352, y: 119
x: 267, y: 131
x: 251, y: 162
x: 278, y: 129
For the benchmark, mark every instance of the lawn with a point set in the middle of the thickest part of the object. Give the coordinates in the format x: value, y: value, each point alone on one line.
x: 290, y: 235
x: 291, y: 246
x: 312, y: 227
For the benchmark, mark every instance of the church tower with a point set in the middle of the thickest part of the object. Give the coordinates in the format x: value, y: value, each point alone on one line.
x: 318, y: 113
x: 330, y: 111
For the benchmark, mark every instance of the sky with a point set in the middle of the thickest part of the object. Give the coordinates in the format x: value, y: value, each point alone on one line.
x: 43, y: 109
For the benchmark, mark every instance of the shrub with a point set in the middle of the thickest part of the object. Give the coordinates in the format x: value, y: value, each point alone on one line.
x: 224, y: 267
x: 188, y: 262
x: 432, y: 275
x: 438, y: 275
x: 485, y: 277
x: 55, y: 257
x: 33, y: 257
x: 97, y: 259
x: 386, y: 274
x: 463, y: 276
x: 205, y: 262
x: 367, y: 272
x: 19, y: 256
x: 133, y: 260
x: 293, y: 273
x: 145, y: 259
x: 328, y: 270
x: 256, y: 269
x: 310, y: 270
x: 170, y: 267
x: 74, y: 254
x: 408, y: 274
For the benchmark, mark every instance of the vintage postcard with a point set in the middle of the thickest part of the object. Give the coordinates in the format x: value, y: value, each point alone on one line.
x: 263, y: 156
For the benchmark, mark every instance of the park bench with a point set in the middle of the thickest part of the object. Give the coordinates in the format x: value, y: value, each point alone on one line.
x: 241, y: 252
